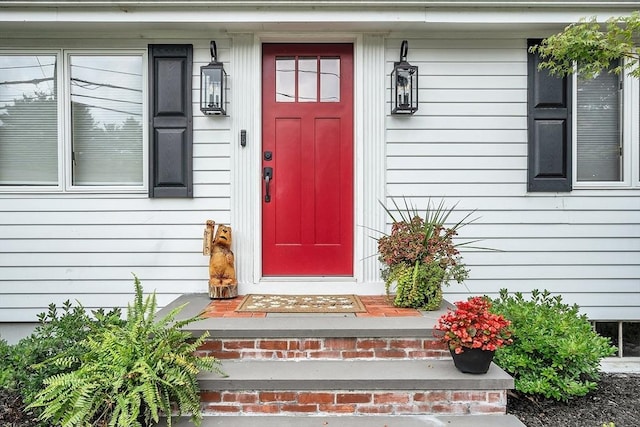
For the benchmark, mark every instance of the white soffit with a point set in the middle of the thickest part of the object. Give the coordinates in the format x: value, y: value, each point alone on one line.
x: 301, y: 15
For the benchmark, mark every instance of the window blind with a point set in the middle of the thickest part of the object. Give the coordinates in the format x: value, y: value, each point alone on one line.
x: 106, y: 117
x: 599, y: 136
x: 28, y: 120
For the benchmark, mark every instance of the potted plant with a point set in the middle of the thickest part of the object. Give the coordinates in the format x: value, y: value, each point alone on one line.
x: 419, y: 256
x: 473, y: 333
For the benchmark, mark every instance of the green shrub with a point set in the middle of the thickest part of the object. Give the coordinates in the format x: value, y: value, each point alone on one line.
x: 6, y: 371
x: 57, y: 331
x: 555, y: 352
x: 128, y: 374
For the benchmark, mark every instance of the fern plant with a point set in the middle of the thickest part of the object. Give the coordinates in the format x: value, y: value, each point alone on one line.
x: 129, y: 375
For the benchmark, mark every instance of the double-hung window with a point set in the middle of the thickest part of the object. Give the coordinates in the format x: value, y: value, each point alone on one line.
x: 73, y: 120
x: 582, y: 133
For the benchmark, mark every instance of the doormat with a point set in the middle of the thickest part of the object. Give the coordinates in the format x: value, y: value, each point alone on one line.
x: 301, y: 304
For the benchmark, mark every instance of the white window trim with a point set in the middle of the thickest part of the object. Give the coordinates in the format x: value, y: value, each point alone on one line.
x: 65, y: 183
x: 630, y: 138
x: 41, y: 188
x: 633, y: 109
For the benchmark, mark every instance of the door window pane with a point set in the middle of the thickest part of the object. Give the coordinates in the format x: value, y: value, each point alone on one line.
x: 330, y: 80
x: 285, y: 80
x: 308, y: 80
x: 28, y: 120
x: 106, y: 118
x: 599, y: 137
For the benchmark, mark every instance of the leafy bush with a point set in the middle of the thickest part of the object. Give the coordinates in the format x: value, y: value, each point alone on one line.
x: 127, y: 374
x: 6, y: 371
x: 555, y: 352
x: 23, y: 366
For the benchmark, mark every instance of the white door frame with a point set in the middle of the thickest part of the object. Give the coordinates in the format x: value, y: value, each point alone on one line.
x: 369, y: 167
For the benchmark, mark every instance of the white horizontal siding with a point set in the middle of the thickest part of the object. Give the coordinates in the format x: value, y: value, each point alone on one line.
x: 115, y: 277
x: 457, y: 162
x: 479, y: 95
x: 39, y: 233
x: 101, y: 245
x: 552, y: 231
x: 123, y: 217
x: 119, y: 259
x: 458, y: 135
x: 452, y: 149
x: 467, y: 144
x: 571, y: 287
x: 55, y: 247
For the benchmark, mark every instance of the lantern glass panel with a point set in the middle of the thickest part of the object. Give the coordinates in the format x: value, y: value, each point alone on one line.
x: 212, y: 88
x: 403, y: 85
x: 404, y: 81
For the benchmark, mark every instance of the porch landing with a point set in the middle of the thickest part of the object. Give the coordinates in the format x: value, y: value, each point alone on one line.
x: 376, y: 306
x: 381, y: 319
x: 336, y: 370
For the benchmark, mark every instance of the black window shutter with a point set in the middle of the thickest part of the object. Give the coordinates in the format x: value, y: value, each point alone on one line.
x: 549, y: 128
x: 171, y: 121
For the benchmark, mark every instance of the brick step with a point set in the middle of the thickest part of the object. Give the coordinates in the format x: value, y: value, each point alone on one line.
x: 408, y: 348
x: 316, y: 336
x: 362, y: 387
x: 286, y: 368
x: 355, y: 421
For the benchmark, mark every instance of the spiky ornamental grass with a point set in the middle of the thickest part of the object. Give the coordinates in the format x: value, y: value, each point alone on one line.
x: 131, y: 374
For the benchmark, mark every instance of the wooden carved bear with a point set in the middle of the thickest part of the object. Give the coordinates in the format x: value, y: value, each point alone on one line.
x: 222, y: 274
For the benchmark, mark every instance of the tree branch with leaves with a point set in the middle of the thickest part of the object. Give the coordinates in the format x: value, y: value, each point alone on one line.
x: 593, y: 47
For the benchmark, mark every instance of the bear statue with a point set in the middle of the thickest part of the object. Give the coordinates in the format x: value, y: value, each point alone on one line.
x: 222, y: 273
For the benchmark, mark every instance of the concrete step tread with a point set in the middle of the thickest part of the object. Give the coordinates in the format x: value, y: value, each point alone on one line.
x: 358, y: 421
x: 351, y: 375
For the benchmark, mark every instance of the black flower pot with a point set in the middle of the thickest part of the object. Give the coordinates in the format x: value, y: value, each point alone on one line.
x: 473, y: 360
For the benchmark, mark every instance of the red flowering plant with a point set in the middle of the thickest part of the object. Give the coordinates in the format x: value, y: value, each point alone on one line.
x: 472, y: 325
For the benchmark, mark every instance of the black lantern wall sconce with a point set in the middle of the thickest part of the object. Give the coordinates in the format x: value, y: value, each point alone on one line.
x: 213, y: 85
x: 404, y: 84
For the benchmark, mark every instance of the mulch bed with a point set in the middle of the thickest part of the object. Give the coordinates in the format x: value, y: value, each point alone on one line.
x: 12, y: 412
x: 617, y: 400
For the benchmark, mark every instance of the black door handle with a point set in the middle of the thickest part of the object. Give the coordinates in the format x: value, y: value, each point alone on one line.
x: 267, y: 175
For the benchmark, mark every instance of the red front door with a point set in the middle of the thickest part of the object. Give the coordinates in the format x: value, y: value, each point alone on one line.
x: 307, y: 160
